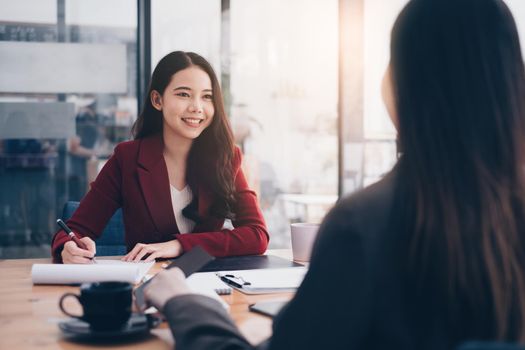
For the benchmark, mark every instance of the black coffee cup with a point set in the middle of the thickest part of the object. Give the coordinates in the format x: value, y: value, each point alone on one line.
x: 106, y: 305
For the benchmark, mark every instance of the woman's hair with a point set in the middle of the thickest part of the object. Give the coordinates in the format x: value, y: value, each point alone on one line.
x: 459, y: 86
x: 211, y: 155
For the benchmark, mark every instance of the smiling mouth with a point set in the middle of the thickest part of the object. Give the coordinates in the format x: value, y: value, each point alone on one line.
x: 192, y: 121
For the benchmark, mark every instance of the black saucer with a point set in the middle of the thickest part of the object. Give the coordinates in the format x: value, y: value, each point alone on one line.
x: 138, y: 324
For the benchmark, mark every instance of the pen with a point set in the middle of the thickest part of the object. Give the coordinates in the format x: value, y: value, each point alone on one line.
x: 73, y: 237
x: 230, y: 282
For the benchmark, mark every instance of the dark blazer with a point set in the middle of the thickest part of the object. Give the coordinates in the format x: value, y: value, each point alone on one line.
x: 136, y: 179
x: 355, y: 295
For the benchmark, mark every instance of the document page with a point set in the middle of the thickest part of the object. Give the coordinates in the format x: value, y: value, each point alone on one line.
x: 210, y: 281
x: 102, y: 270
x: 208, y: 284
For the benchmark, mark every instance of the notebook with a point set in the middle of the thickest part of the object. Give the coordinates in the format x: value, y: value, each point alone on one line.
x: 264, y: 281
x: 103, y: 270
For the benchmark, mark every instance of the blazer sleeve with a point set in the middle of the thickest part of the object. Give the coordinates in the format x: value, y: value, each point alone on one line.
x: 249, y: 235
x: 96, y: 208
x: 199, y: 322
x: 333, y: 307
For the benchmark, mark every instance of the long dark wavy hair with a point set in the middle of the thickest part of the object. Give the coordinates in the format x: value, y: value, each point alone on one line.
x: 211, y: 155
x: 459, y: 86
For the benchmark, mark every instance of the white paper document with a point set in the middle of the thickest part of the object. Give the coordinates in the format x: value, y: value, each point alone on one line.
x: 208, y: 284
x: 103, y: 270
x: 210, y: 281
x: 265, y: 280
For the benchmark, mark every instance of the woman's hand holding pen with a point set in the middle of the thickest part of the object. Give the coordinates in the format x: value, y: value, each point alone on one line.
x: 170, y: 249
x: 72, y: 254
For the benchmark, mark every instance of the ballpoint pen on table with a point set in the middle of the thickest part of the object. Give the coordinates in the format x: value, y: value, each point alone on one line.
x: 73, y: 237
x: 230, y: 280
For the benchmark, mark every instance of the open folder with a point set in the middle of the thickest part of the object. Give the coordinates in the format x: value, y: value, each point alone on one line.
x: 264, y: 281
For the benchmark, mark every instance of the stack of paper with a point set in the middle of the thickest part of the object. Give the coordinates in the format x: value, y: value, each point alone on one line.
x: 103, y: 270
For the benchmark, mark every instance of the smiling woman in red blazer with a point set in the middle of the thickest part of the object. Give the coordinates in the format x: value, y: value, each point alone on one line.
x: 177, y: 181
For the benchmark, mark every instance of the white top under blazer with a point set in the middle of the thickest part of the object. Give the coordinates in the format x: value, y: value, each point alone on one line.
x: 179, y: 201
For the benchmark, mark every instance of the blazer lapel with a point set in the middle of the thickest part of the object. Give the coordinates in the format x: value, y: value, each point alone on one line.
x: 155, y: 185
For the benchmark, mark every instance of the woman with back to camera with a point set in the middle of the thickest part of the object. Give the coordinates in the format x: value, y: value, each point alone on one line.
x: 177, y: 181
x: 433, y: 254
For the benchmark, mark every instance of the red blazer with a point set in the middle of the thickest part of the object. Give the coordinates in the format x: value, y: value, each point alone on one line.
x: 135, y: 179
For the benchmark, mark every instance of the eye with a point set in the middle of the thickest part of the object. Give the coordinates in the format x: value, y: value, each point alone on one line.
x: 183, y: 94
x: 208, y: 97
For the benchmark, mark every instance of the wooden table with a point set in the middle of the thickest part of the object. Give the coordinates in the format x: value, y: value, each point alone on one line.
x: 29, y: 314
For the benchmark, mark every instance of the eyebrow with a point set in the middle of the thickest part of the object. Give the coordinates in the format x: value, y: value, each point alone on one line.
x: 189, y: 89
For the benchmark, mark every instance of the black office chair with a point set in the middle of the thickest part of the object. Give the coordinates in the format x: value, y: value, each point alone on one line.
x: 111, y: 241
x: 480, y: 345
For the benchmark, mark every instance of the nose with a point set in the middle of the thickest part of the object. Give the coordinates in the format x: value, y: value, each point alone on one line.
x: 196, y: 106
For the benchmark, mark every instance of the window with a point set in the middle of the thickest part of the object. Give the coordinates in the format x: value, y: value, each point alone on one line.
x: 280, y: 80
x: 380, y: 147
x: 283, y: 71
x: 67, y: 96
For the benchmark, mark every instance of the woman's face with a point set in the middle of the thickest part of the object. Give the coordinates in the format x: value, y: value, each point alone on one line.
x: 387, y: 93
x: 186, y: 104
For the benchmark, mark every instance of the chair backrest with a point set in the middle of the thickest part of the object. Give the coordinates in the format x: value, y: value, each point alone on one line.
x: 480, y: 345
x: 111, y: 242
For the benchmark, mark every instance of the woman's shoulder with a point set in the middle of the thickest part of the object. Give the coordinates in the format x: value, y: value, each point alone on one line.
x: 126, y: 151
x: 148, y: 146
x: 374, y: 198
x: 366, y: 212
x: 127, y: 146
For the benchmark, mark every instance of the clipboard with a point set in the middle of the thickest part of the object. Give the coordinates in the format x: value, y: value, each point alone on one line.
x: 189, y: 262
x: 264, y: 281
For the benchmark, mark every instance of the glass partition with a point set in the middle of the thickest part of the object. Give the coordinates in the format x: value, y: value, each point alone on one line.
x: 68, y: 96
